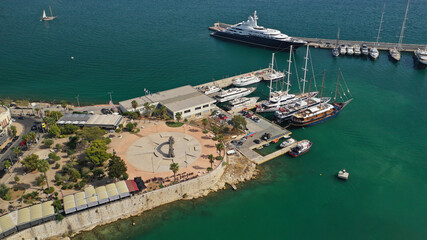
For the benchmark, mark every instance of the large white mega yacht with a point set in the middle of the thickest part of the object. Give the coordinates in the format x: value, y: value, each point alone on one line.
x: 250, y: 33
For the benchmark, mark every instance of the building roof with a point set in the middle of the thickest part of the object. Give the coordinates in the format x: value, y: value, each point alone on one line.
x: 101, y: 192
x: 112, y: 190
x: 97, y: 120
x: 92, y: 199
x: 48, y: 209
x: 72, y: 117
x: 131, y: 185
x: 176, y: 99
x: 6, y: 223
x: 69, y: 202
x: 121, y: 186
x: 36, y: 212
x: 23, y: 215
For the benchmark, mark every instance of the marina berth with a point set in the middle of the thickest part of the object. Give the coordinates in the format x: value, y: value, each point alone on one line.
x: 249, y: 32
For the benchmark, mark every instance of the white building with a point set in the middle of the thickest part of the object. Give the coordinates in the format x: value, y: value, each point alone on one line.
x: 188, y: 101
x: 5, y: 123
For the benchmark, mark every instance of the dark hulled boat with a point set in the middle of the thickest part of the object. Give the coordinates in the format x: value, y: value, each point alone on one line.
x: 249, y: 32
x: 301, y: 148
x: 317, y: 114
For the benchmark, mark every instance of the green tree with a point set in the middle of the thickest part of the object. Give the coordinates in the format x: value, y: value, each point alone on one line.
x: 215, y: 130
x: 205, y: 122
x: 16, y: 151
x: 55, y: 115
x: 53, y: 156
x: 14, y: 131
x: 54, y: 131
x: 98, y: 172
x: 97, y: 152
x: 219, y: 147
x: 7, y: 164
x: 130, y: 127
x: 48, y: 142
x: 30, y: 162
x: 134, y: 105
x: 43, y: 167
x: 174, y: 167
x: 37, y: 111
x: 211, y: 159
x: 239, y: 122
x: 72, y: 142
x: 92, y: 133
x: 40, y: 181
x: 74, y: 175
x: 163, y: 111
x: 220, y: 137
x: 178, y: 116
x: 26, y: 139
x: 69, y: 129
x: 16, y: 178
x: 64, y: 104
x: 4, y: 190
x: 116, y: 167
x: 32, y: 136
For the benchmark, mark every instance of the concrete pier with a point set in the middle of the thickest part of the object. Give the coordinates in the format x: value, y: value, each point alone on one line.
x: 226, y: 82
x: 330, y: 43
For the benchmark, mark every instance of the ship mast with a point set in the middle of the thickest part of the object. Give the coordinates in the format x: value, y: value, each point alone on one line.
x: 381, y: 24
x: 338, y: 81
x: 338, y: 37
x: 305, y: 70
x: 289, y: 69
x: 50, y: 11
x: 399, y: 45
x: 271, y: 82
x: 321, y: 92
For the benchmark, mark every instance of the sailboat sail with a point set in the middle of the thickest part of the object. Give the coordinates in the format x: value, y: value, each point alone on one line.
x: 44, y: 14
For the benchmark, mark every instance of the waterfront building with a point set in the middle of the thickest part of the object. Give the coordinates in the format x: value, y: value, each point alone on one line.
x: 91, y: 120
x: 190, y: 102
x: 5, y: 123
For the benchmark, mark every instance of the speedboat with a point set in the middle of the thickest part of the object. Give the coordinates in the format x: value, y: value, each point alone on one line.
x: 301, y: 148
x: 343, y: 49
x: 421, y: 56
x: 210, y: 89
x: 350, y: 50
x: 288, y: 143
x: 394, y: 54
x: 357, y: 51
x: 245, y: 80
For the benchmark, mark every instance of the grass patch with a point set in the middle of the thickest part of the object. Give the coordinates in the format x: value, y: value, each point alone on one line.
x: 174, y: 124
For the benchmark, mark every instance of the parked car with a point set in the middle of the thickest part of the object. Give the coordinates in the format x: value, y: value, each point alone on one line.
x: 15, y: 138
x: 222, y: 116
x: 34, y: 127
x: 266, y: 136
x: 257, y: 141
x: 105, y: 111
x: 3, y: 150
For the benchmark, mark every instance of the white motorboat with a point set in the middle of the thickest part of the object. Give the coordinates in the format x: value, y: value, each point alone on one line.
x: 242, y: 102
x: 343, y: 49
x: 374, y: 53
x: 394, y: 54
x: 365, y: 49
x: 288, y: 143
x: 343, y: 175
x: 350, y: 50
x: 233, y: 93
x: 357, y: 51
x: 210, y: 89
x: 421, y: 56
x: 245, y: 80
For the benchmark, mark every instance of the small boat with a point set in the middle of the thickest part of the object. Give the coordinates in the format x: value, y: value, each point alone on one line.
x: 288, y: 143
x: 343, y: 175
x: 266, y: 145
x: 245, y: 80
x: 241, y: 102
x: 233, y: 93
x: 343, y: 49
x: 260, y: 147
x: 336, y: 51
x: 421, y: 56
x: 350, y: 50
x: 365, y: 49
x: 374, y: 53
x: 46, y: 18
x: 301, y: 148
x: 394, y: 54
x: 210, y: 89
x: 357, y: 51
x: 274, y: 141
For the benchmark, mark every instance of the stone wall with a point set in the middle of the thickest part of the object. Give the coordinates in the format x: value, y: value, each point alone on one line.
x: 127, y: 207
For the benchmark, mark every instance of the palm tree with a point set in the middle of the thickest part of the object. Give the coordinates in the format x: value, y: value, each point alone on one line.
x: 43, y: 166
x: 32, y: 136
x: 134, y: 105
x: 147, y: 108
x: 16, y: 151
x: 178, y: 116
x: 219, y: 147
x: 174, y: 167
x: 205, y: 122
x: 26, y: 138
x: 37, y: 111
x: 163, y: 111
x: 211, y: 159
x: 220, y: 137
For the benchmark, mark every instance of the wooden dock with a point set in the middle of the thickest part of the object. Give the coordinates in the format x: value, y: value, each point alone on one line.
x: 330, y: 43
x: 262, y: 159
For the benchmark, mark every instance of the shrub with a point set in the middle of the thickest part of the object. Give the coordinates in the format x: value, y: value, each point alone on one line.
x: 16, y: 179
x: 53, y: 156
x: 57, y: 166
x: 118, y: 130
x: 49, y: 190
x: 205, y: 131
x: 219, y: 158
x: 70, y: 152
x: 209, y: 169
x: 59, y: 217
x: 48, y: 142
x: 59, y: 146
x: 185, y: 195
x: 4, y: 190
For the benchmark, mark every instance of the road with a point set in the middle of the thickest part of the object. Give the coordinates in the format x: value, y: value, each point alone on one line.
x: 27, y: 122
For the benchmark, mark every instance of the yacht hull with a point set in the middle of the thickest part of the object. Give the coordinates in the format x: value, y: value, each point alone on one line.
x: 257, y: 41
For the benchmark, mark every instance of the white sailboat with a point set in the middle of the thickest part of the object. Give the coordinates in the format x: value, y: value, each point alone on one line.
x: 395, y: 52
x: 373, y: 52
x: 274, y: 75
x: 46, y: 18
x: 336, y: 51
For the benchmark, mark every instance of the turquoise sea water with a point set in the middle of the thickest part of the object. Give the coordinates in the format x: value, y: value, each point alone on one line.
x: 126, y: 46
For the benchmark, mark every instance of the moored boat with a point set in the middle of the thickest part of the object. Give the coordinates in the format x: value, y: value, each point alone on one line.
x: 288, y: 143
x: 301, y: 148
x: 365, y: 49
x: 421, y: 56
x: 241, y: 102
x: 394, y: 54
x: 335, y: 50
x: 210, y: 89
x: 249, y: 32
x: 350, y: 50
x: 357, y: 51
x: 245, y: 80
x: 343, y: 49
x: 233, y: 93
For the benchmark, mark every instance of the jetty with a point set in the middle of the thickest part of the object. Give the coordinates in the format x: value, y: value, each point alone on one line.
x: 331, y: 43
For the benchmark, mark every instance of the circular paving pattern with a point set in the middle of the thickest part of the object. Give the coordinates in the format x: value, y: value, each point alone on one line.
x: 151, y: 153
